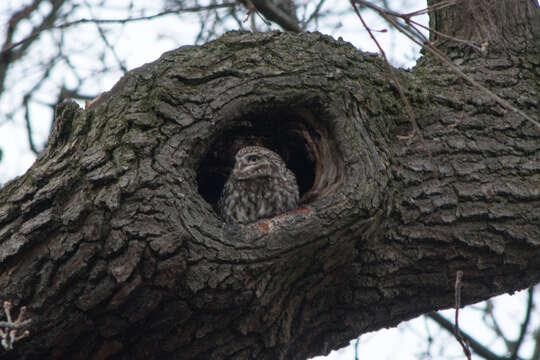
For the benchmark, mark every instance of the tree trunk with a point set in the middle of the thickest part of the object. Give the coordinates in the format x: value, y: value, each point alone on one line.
x: 112, y: 241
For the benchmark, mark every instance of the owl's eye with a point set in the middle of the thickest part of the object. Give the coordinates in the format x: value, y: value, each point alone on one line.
x: 252, y: 158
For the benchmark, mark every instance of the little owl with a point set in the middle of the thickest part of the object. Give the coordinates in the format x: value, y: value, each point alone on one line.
x: 260, y: 186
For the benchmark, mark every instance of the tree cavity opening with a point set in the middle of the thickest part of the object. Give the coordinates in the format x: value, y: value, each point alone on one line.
x: 301, y: 139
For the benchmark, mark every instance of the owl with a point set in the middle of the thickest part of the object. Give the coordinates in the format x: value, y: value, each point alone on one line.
x: 260, y: 186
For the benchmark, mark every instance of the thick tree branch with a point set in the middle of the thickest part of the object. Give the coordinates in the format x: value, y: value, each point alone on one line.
x: 112, y: 238
x: 275, y: 14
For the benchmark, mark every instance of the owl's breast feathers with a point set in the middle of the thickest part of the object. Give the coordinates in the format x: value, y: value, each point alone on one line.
x: 260, y: 186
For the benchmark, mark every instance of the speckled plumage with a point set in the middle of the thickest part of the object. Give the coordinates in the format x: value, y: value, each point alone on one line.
x: 260, y: 186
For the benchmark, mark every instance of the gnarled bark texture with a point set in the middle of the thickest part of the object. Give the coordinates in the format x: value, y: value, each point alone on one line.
x: 112, y: 242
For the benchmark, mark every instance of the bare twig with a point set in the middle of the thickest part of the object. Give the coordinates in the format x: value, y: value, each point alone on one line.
x: 9, y: 330
x: 494, y: 323
x: 412, y: 119
x: 432, y: 8
x: 251, y: 11
x: 477, y: 347
x: 108, y: 45
x: 34, y: 34
x: 536, y: 352
x: 405, y: 27
x: 524, y: 325
x: 429, y: 339
x: 149, y: 17
x: 315, y: 13
x: 455, y: 39
x: 463, y: 338
x: 457, y: 298
x: 408, y: 109
x: 8, y: 55
x: 28, y: 123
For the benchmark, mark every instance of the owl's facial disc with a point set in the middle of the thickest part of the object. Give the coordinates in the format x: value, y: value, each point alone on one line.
x: 251, y: 166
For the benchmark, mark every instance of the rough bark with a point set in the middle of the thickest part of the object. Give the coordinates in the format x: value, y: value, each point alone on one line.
x: 112, y: 241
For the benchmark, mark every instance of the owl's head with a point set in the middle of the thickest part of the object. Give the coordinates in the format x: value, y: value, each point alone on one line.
x: 257, y: 162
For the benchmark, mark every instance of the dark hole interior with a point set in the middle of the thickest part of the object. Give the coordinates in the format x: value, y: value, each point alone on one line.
x: 281, y: 131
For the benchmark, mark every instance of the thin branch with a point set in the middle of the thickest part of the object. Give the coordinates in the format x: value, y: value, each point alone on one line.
x: 536, y: 352
x: 34, y: 34
x: 108, y: 45
x: 457, y: 298
x: 495, y: 324
x: 406, y: 27
x: 408, y: 109
x: 466, y: 42
x: 390, y: 71
x: 17, y: 17
x: 27, y: 98
x: 7, y: 56
x: 238, y: 21
x: 315, y: 13
x: 432, y: 8
x: 524, y: 324
x: 28, y: 123
x: 478, y: 348
x: 203, y: 18
x: 429, y: 339
x: 148, y: 17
